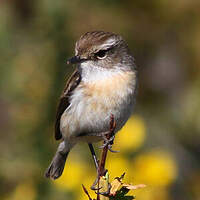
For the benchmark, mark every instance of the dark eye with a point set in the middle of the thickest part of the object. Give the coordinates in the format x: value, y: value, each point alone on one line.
x: 101, y: 54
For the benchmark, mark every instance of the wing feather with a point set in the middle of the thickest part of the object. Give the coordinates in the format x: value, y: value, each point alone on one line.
x: 71, y: 84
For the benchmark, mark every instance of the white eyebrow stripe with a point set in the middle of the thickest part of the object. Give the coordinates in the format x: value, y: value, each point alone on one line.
x: 108, y: 43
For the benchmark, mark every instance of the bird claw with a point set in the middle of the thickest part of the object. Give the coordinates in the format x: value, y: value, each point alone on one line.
x: 94, y: 184
x: 106, y: 193
x: 111, y: 150
x: 95, y: 189
x: 108, y: 143
x: 97, y: 180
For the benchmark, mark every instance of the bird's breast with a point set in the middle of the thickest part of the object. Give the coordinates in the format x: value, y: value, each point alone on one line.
x: 109, y: 92
x: 93, y: 102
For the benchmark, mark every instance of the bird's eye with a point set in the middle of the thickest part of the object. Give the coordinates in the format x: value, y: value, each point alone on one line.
x: 101, y: 54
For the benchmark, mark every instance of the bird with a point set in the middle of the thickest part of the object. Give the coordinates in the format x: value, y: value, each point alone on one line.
x: 104, y: 83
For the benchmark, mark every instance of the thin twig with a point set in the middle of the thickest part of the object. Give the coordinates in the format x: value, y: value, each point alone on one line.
x: 101, y: 169
x: 86, y: 192
x: 105, y: 149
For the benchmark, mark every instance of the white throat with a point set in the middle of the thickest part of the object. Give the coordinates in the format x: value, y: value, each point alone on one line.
x: 91, y: 73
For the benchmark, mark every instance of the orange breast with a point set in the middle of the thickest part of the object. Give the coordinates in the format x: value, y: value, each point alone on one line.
x: 107, y: 92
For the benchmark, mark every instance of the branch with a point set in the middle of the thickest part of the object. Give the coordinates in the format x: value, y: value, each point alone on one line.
x: 116, y: 190
x: 102, y: 170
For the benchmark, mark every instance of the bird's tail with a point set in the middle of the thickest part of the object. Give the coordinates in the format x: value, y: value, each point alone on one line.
x: 57, y: 165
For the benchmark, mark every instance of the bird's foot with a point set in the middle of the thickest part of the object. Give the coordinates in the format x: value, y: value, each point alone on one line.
x: 106, y: 193
x: 109, y: 136
x: 108, y: 143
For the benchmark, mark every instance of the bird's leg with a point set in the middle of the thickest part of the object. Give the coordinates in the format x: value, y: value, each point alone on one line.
x: 109, y: 136
x: 96, y: 162
x: 108, y: 141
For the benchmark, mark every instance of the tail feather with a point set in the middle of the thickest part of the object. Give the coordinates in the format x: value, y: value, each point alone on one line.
x: 57, y: 165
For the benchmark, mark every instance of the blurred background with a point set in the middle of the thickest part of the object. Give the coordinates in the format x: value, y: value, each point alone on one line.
x: 160, y: 144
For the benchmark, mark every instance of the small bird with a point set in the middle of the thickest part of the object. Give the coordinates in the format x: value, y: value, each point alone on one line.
x: 103, y: 84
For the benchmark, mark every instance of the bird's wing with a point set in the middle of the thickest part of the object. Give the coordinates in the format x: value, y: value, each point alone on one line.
x: 71, y: 84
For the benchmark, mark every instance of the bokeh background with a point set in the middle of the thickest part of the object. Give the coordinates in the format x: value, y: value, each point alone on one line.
x: 159, y: 146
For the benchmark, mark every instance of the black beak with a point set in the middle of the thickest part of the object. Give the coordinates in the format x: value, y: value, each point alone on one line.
x: 75, y: 60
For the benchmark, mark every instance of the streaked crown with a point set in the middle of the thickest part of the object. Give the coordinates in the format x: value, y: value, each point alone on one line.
x: 92, y: 42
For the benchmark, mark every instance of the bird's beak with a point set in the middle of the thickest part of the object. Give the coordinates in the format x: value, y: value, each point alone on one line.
x: 75, y: 60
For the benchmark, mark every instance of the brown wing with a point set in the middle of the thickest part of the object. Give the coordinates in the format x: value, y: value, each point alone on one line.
x: 71, y: 84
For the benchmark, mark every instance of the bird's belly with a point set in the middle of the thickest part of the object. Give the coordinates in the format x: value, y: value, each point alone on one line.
x: 91, y: 108
x: 93, y: 116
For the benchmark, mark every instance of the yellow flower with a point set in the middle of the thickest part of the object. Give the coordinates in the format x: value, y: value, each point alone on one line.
x: 156, y: 168
x: 132, y: 135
